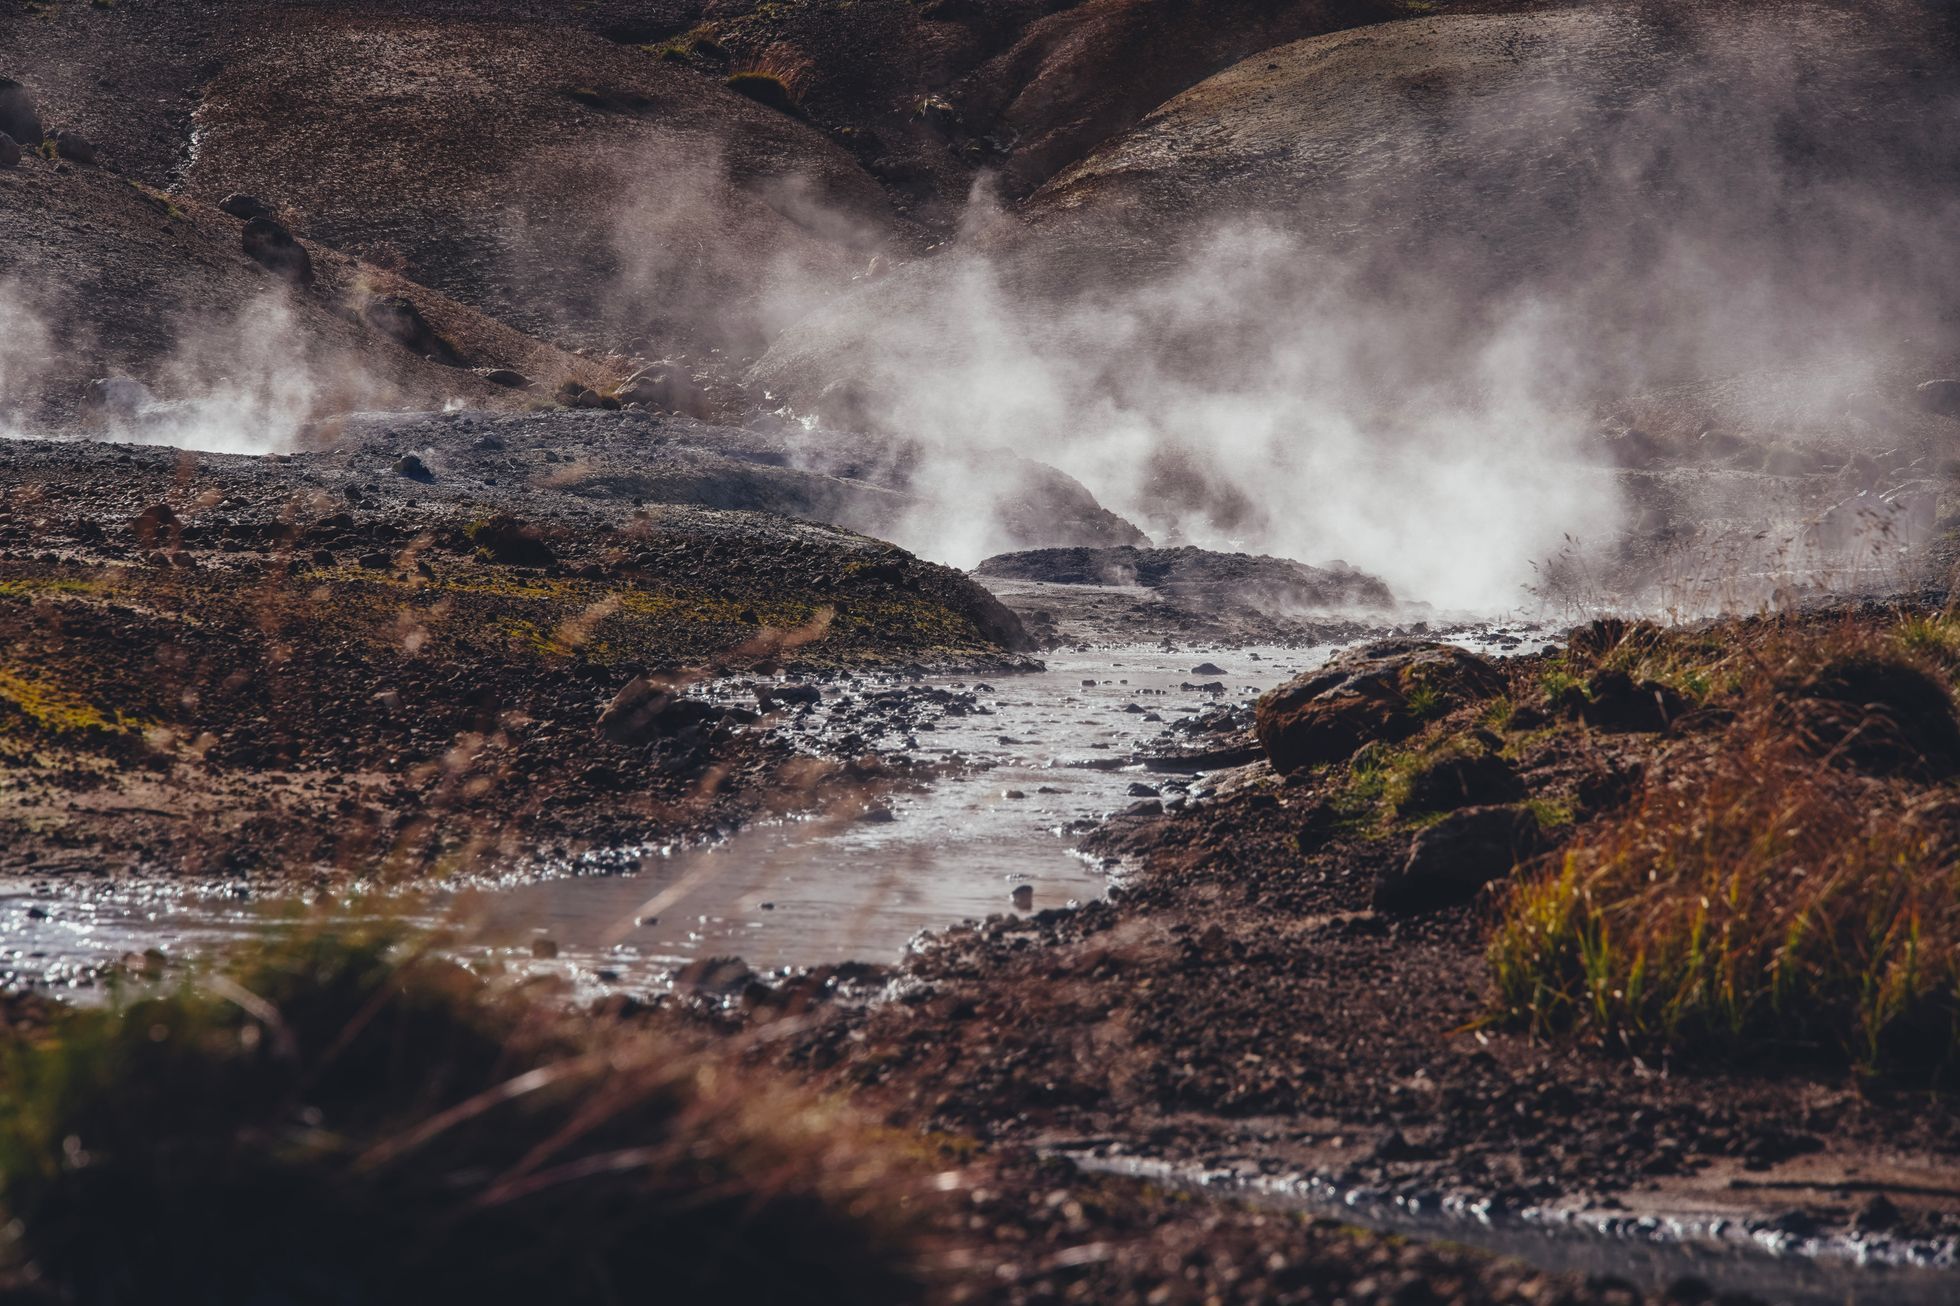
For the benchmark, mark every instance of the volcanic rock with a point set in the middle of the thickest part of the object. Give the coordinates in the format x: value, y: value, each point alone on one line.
x: 1381, y: 691
x: 267, y: 243
x: 17, y: 116
x: 245, y: 207
x: 9, y: 151
x: 1453, y: 859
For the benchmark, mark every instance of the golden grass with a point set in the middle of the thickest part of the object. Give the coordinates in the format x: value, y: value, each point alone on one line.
x: 1787, y: 884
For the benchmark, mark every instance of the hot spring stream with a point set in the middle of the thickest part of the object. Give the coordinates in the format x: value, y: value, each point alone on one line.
x: 1049, y: 754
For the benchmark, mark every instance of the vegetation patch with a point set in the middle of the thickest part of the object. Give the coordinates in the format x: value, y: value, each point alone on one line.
x: 347, y: 1118
x: 1759, y: 903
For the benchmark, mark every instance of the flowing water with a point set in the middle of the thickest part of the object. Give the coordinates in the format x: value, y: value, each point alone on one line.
x: 1044, y: 755
x: 1040, y: 758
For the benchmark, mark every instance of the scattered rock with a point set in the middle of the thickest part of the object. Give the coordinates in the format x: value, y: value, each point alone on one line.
x: 1023, y: 896
x: 245, y: 207
x: 156, y: 526
x: 1138, y: 789
x: 635, y: 714
x: 770, y: 697
x: 1877, y: 1214
x: 1208, y: 669
x: 412, y: 466
x: 714, y: 976
x: 512, y: 541
x: 1450, y: 861
x: 17, y: 116
x: 271, y: 246
x: 1380, y: 691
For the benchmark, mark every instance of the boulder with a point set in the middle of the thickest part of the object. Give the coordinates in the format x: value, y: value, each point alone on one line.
x: 17, y: 116
x: 246, y: 207
x: 505, y: 377
x: 267, y: 243
x: 9, y: 151
x: 157, y: 526
x: 1381, y: 691
x: 512, y: 541
x: 1616, y: 702
x: 412, y: 466
x: 645, y: 710
x: 397, y: 318
x: 1451, y: 861
x: 1463, y: 780
x: 74, y: 148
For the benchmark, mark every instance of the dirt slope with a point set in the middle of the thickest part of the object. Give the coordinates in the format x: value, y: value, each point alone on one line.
x: 108, y: 278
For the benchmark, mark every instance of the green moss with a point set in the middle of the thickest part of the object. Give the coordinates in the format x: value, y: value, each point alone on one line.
x: 52, y: 709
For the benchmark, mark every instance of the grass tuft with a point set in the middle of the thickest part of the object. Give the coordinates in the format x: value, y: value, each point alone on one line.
x: 1756, y: 905
x: 346, y: 1118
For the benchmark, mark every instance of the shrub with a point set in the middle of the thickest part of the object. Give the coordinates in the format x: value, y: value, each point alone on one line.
x: 1759, y: 903
x: 340, y: 1120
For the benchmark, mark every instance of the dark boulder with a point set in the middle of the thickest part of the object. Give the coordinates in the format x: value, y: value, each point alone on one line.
x: 1616, y: 702
x: 1451, y: 861
x: 645, y: 710
x: 17, y: 116
x: 9, y: 151
x: 156, y: 527
x: 412, y: 466
x: 271, y: 246
x: 397, y: 318
x: 505, y: 377
x: 74, y: 148
x: 1382, y: 691
x: 1463, y: 780
x: 512, y: 541
x: 246, y: 207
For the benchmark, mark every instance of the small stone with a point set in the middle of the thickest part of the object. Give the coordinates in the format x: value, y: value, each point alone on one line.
x: 245, y: 207
x: 413, y: 468
x: 1207, y: 669
x: 1138, y: 789
x: 1023, y: 896
x: 544, y: 949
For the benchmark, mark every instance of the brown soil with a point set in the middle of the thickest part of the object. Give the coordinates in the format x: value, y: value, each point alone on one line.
x: 218, y: 669
x: 1241, y: 1005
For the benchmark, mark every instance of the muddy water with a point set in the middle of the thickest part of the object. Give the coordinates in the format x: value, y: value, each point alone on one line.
x: 1041, y: 757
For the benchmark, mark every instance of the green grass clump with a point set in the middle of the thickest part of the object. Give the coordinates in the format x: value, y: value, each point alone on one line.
x: 1761, y: 906
x: 351, y: 1119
